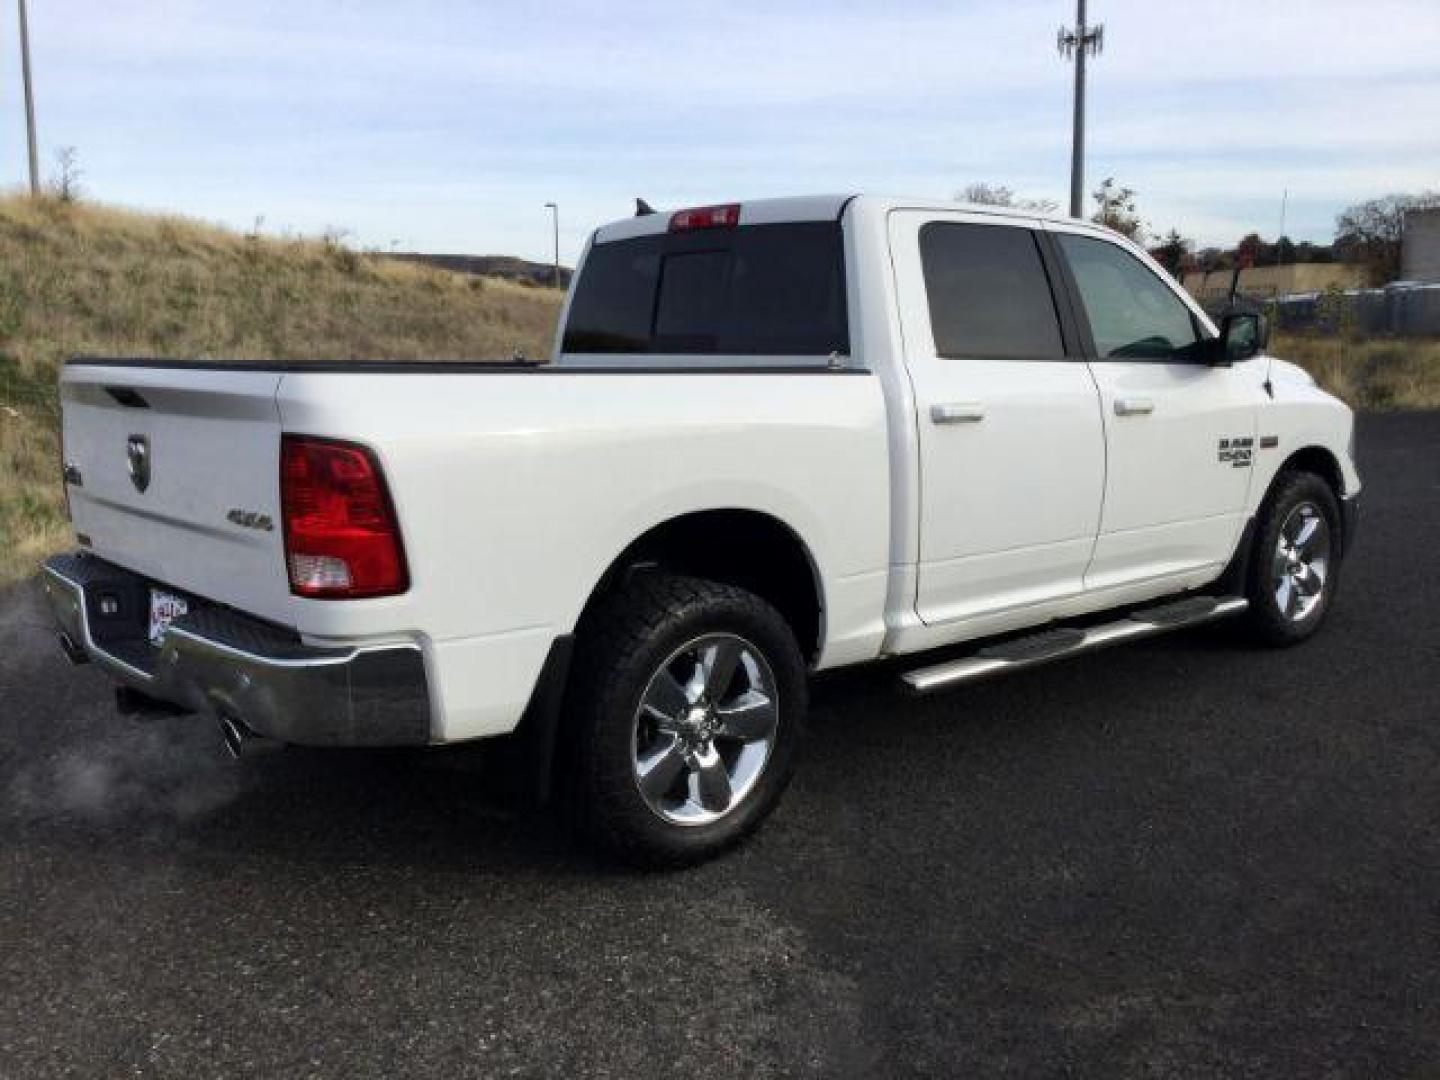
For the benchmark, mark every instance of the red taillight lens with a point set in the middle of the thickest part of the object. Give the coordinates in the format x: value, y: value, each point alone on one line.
x: 706, y: 217
x: 341, y: 537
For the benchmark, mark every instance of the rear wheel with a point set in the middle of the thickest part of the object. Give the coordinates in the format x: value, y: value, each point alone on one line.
x: 688, y: 701
x: 1295, y: 566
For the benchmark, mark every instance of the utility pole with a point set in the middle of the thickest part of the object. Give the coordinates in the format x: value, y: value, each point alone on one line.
x: 1078, y: 43
x: 29, y: 98
x: 555, y: 215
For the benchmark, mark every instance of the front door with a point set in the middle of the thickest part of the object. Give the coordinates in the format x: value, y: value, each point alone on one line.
x: 1011, y: 443
x: 1180, y: 433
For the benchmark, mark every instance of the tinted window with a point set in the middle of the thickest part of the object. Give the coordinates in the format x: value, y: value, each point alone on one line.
x: 1133, y: 314
x: 758, y: 290
x: 988, y: 293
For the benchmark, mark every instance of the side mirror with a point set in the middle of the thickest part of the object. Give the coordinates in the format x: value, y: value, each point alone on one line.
x: 1243, y: 334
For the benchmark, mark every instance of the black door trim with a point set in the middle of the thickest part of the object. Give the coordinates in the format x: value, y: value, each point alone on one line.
x: 1068, y: 294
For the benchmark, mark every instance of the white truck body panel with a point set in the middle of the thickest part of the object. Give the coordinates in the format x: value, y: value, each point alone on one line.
x: 1020, y: 533
x: 1161, y: 421
x: 1301, y: 415
x: 523, y: 488
x: 213, y: 439
x: 517, y: 490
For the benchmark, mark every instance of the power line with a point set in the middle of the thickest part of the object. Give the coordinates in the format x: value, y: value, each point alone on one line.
x: 1078, y: 43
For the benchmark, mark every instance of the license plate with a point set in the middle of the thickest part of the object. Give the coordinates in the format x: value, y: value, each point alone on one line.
x: 165, y: 608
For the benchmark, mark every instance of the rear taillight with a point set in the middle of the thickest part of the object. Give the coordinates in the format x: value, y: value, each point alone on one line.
x: 706, y: 217
x: 341, y: 537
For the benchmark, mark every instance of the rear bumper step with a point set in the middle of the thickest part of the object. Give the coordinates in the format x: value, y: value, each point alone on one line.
x: 214, y: 660
x: 1058, y: 643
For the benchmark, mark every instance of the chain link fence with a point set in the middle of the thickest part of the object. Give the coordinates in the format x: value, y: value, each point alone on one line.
x: 1401, y: 310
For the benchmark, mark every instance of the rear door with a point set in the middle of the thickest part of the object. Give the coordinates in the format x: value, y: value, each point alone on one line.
x: 1179, y: 432
x: 1012, y: 451
x: 178, y: 472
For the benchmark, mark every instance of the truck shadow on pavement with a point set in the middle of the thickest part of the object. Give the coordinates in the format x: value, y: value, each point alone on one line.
x: 76, y: 773
x: 169, y: 786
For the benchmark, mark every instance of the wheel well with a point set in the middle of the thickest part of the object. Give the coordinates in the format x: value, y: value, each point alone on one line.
x: 745, y: 548
x: 1320, y: 462
x: 1312, y: 459
x: 1317, y: 460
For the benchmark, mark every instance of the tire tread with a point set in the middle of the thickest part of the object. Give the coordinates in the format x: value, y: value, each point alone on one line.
x: 624, y: 626
x: 1266, y: 625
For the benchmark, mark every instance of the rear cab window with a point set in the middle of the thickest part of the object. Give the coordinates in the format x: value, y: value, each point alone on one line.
x: 751, y: 290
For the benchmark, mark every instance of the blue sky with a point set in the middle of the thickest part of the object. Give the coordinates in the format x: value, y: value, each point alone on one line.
x: 442, y: 125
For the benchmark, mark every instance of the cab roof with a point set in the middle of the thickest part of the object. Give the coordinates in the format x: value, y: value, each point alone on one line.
x: 810, y: 208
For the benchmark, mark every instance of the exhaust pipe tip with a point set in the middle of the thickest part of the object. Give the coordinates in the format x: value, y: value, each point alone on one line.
x: 73, y: 652
x: 240, y: 742
x: 233, y: 740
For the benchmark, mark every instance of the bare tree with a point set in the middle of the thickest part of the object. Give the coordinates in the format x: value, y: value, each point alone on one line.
x: 65, y: 181
x: 1115, y: 209
x: 1370, y: 233
x: 999, y: 195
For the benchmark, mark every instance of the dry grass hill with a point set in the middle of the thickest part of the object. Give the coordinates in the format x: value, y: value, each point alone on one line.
x: 78, y: 278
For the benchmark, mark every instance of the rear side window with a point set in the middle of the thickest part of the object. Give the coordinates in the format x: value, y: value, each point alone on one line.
x: 756, y: 290
x: 988, y: 293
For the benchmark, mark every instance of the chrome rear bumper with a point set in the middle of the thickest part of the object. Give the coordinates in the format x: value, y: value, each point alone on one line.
x: 218, y: 661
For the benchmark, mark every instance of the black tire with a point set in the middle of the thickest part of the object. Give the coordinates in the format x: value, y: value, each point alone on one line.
x: 1290, y: 497
x: 623, y: 645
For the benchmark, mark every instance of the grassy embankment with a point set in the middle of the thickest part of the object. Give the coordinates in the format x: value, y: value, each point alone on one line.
x: 1369, y: 373
x: 90, y: 279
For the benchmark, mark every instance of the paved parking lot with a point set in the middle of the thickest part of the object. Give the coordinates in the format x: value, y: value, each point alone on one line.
x: 1183, y: 857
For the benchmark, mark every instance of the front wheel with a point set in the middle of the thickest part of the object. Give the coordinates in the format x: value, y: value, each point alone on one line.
x: 687, y: 706
x: 1295, y: 565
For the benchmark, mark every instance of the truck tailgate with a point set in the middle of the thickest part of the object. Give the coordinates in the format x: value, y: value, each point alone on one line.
x: 178, y: 477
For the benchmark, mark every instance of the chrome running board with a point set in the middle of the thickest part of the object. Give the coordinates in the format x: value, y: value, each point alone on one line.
x: 1058, y: 643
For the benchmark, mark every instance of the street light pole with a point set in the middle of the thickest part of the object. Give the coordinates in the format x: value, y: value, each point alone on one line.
x: 29, y: 98
x: 1078, y: 43
x: 555, y: 216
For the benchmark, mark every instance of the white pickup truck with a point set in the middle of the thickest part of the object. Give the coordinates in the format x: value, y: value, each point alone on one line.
x: 775, y: 437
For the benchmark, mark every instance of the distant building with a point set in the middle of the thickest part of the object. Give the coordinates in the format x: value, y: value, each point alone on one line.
x: 1267, y: 282
x: 1420, y: 246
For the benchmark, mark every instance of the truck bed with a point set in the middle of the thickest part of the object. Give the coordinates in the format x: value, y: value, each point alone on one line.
x: 515, y: 488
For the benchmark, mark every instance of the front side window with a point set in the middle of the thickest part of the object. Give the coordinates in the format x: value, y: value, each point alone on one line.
x: 988, y: 294
x: 1133, y: 314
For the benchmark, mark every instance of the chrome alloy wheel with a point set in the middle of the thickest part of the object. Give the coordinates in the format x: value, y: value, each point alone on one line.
x: 705, y: 729
x: 1301, y: 562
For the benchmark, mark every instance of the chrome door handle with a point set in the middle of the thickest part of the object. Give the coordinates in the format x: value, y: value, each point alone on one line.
x: 1133, y: 406
x: 957, y: 412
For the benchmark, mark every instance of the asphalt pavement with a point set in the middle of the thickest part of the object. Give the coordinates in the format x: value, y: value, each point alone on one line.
x: 1184, y: 857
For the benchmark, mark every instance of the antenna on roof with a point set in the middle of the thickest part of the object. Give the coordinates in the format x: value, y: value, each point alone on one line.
x: 643, y: 208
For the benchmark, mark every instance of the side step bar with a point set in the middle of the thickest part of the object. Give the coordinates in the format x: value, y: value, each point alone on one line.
x: 1056, y: 644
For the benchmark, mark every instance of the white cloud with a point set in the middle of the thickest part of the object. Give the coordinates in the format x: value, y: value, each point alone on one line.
x: 448, y: 123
